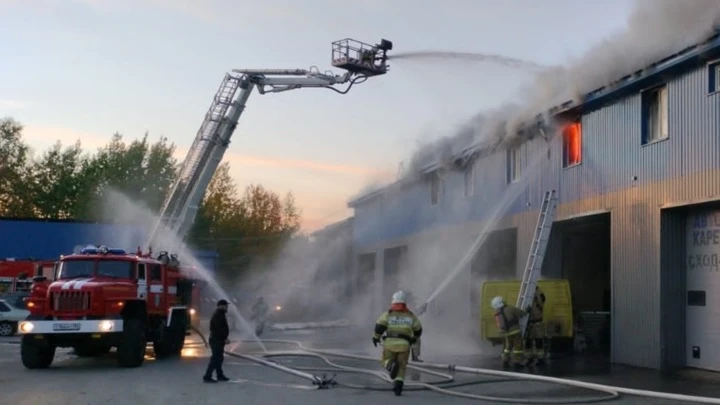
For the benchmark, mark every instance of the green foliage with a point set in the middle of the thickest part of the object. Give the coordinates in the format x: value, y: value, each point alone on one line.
x: 67, y: 183
x: 243, y: 229
x: 15, y: 191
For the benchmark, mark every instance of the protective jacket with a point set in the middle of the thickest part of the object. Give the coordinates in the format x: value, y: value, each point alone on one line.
x: 400, y: 326
x: 219, y: 328
x: 259, y: 310
x: 507, y: 319
x: 536, y: 309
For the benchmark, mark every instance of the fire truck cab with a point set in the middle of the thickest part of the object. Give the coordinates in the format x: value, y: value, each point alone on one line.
x: 102, y: 298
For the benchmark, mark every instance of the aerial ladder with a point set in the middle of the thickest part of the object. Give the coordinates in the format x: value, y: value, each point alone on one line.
x: 531, y: 275
x: 360, y: 60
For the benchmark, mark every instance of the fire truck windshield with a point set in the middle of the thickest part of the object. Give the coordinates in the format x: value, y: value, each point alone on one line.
x: 100, y: 268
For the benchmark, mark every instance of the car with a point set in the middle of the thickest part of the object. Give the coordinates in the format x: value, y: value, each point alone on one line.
x: 16, y: 299
x: 10, y: 316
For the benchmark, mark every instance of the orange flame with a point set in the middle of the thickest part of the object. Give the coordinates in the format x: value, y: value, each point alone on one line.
x: 572, y: 142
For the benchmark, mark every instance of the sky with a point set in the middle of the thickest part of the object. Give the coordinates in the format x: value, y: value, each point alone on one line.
x: 85, y: 69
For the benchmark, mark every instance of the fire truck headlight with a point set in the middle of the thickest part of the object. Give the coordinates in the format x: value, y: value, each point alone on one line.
x: 26, y: 327
x: 106, y: 326
x: 192, y: 311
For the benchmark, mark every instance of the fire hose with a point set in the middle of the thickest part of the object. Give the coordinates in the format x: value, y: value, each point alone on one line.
x: 447, y: 381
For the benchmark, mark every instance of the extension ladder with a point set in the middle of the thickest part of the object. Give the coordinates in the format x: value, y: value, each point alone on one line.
x: 181, y: 204
x: 537, y: 254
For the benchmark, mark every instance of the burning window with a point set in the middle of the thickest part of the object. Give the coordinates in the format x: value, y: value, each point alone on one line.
x: 572, y: 144
x: 434, y: 188
x: 655, y: 115
x: 513, y: 165
x: 470, y: 179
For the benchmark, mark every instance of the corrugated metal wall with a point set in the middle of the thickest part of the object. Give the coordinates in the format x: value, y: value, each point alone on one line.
x: 613, y: 160
x: 617, y: 175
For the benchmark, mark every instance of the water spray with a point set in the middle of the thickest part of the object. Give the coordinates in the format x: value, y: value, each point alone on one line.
x: 500, y: 208
x: 470, y: 56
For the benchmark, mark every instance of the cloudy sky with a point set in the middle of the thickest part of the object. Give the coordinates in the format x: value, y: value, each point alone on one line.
x: 84, y: 69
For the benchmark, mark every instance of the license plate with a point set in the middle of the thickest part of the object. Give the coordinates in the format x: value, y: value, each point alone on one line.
x: 66, y: 326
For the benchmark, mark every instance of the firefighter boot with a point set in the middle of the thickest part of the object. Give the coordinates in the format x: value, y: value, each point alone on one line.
x: 392, y: 368
x: 397, y: 388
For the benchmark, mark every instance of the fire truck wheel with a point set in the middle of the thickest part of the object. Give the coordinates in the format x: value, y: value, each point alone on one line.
x: 171, y: 342
x: 131, y: 350
x: 36, y: 354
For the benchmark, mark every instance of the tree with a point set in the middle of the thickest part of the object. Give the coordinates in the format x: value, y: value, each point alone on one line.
x: 67, y: 183
x: 15, y: 189
x: 220, y: 212
x: 242, y: 229
x: 142, y: 171
x: 60, y: 186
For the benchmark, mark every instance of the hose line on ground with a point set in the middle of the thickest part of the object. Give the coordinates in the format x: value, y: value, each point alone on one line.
x: 612, y: 392
x: 448, y: 379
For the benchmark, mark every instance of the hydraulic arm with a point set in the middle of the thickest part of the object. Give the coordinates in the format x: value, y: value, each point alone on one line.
x: 178, y: 213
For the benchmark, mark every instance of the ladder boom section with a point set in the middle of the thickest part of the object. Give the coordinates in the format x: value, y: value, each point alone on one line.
x: 212, y: 139
x: 533, y: 269
x: 208, y: 169
x: 215, y: 131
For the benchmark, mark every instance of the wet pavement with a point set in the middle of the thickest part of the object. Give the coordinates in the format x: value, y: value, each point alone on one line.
x: 94, y: 381
x: 582, y: 368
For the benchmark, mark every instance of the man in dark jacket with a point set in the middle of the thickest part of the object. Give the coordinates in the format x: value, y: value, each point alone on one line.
x: 219, y: 332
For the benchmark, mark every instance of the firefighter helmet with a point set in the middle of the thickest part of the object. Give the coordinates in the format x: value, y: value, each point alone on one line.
x: 399, y: 298
x: 497, y: 302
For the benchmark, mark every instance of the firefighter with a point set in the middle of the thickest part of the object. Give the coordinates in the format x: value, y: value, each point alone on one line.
x: 219, y: 332
x: 259, y: 314
x: 507, y: 318
x: 535, y: 333
x: 401, y: 328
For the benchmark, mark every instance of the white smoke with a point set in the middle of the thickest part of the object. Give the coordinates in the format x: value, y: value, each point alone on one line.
x: 655, y: 30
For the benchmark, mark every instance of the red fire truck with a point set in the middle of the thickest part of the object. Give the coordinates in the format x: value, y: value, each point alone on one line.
x: 16, y: 275
x: 102, y: 298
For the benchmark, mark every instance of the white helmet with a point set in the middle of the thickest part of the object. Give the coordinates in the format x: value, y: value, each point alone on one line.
x: 399, y: 298
x: 497, y: 302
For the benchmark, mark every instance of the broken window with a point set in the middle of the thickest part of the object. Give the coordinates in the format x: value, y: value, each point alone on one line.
x: 655, y: 115
x: 513, y: 164
x: 470, y: 179
x: 714, y: 77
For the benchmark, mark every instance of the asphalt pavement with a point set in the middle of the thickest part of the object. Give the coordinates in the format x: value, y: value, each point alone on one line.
x: 76, y: 381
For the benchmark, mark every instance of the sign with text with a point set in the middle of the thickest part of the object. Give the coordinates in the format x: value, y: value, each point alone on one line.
x: 703, y: 241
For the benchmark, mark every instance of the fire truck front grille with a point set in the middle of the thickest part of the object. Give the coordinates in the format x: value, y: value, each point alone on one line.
x: 71, y: 301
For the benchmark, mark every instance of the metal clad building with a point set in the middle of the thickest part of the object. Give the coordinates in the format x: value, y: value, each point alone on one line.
x: 639, y: 199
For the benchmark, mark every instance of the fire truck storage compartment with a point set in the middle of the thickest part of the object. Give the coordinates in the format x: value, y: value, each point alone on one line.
x: 579, y: 251
x: 184, y: 291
